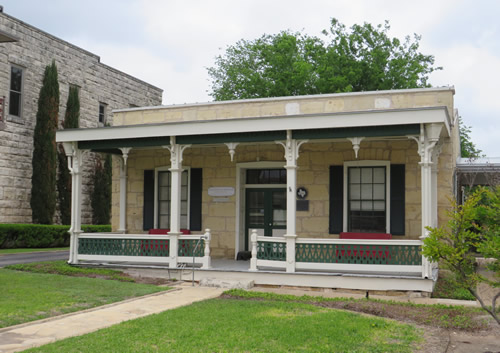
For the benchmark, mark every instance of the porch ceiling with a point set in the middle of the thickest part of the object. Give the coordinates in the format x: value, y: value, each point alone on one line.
x: 387, y: 123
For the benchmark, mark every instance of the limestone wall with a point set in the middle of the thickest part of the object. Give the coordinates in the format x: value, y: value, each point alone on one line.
x: 97, y: 83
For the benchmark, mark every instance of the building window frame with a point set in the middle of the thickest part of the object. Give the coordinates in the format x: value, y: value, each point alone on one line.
x: 102, y: 117
x: 185, y: 182
x: 368, y: 164
x: 14, y: 92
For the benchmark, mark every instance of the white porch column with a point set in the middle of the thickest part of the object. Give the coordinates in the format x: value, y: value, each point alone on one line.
x: 176, y: 152
x: 434, y: 183
x: 291, y: 147
x: 123, y: 190
x: 429, y: 137
x: 75, y: 162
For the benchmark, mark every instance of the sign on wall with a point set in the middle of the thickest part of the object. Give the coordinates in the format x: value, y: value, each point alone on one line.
x: 222, y: 191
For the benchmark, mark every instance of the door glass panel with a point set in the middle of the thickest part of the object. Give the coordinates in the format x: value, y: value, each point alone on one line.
x: 256, y: 208
x: 279, y: 208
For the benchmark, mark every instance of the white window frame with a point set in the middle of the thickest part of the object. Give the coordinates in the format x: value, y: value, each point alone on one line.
x: 368, y: 163
x: 167, y: 169
x: 21, y: 92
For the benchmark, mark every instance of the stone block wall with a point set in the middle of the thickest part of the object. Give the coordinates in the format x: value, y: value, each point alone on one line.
x: 97, y: 83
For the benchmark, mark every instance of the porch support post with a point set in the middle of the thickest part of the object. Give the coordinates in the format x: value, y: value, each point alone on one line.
x: 429, y: 137
x: 291, y: 147
x: 434, y: 181
x: 206, y: 258
x: 123, y: 190
x: 176, y: 152
x: 253, y: 259
x: 75, y: 161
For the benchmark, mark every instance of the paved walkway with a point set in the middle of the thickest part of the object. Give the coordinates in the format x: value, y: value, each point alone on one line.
x: 24, y: 336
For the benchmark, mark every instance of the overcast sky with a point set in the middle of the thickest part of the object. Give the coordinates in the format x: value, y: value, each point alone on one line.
x: 170, y: 43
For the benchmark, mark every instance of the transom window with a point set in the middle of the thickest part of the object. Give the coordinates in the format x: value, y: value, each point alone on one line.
x: 16, y: 85
x: 367, y: 199
x: 164, y: 205
x: 266, y: 176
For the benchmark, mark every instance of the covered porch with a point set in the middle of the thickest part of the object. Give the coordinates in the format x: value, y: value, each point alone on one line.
x: 224, y: 175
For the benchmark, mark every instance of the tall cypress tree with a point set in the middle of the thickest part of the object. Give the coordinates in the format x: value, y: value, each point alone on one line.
x: 43, y: 181
x: 100, y: 198
x: 71, y: 121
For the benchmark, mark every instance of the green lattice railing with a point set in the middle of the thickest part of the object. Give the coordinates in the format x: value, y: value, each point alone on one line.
x: 267, y: 250
x: 123, y: 247
x: 359, y: 254
x: 186, y: 247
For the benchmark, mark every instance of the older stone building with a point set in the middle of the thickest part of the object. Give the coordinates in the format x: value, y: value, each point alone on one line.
x: 24, y: 53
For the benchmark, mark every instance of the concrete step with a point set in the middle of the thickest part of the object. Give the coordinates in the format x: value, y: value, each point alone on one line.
x: 226, y: 283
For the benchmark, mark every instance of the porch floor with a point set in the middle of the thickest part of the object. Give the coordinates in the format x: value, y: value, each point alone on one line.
x: 239, y: 270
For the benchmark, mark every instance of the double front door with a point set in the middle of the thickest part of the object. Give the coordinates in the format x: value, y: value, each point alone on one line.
x: 265, y: 211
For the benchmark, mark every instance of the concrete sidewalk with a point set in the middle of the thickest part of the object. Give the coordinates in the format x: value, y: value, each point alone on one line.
x: 24, y: 336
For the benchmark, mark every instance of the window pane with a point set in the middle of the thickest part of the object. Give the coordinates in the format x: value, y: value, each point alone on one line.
x: 164, y: 178
x: 164, y: 193
x: 366, y: 175
x: 379, y: 175
x: 283, y: 176
x: 379, y: 191
x: 16, y: 79
x: 354, y: 175
x: 184, y: 178
x: 164, y: 207
x: 264, y: 176
x: 184, y: 207
x: 184, y: 224
x: 355, y: 192
x: 379, y: 205
x: 15, y: 104
x: 164, y: 222
x: 355, y: 205
x: 252, y: 176
x: 367, y: 205
x: 366, y: 192
x: 274, y: 176
x: 184, y: 192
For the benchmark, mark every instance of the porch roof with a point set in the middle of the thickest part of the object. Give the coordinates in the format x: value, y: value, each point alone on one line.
x: 374, y: 123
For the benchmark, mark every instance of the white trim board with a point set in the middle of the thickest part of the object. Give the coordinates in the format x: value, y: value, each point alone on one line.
x: 262, y: 124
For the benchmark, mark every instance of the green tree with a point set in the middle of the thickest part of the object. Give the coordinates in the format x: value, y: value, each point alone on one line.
x: 43, y: 180
x: 473, y: 226
x: 467, y: 148
x: 100, y: 199
x: 363, y: 58
x: 71, y: 121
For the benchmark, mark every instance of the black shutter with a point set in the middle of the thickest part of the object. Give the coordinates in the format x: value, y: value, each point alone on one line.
x: 336, y: 199
x: 397, y: 199
x: 195, y: 199
x: 149, y: 200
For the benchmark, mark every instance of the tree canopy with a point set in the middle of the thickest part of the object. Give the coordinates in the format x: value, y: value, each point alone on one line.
x: 468, y: 148
x: 361, y: 58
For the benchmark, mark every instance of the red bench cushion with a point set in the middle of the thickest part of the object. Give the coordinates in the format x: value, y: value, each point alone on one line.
x: 349, y: 235
x: 165, y: 231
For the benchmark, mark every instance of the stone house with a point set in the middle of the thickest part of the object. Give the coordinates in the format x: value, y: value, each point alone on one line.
x: 25, y: 51
x: 336, y: 189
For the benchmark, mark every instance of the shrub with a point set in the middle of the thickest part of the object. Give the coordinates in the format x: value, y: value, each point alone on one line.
x: 40, y: 236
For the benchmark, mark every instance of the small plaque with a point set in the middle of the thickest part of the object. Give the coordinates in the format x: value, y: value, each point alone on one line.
x: 301, y: 193
x: 223, y: 191
x: 302, y: 205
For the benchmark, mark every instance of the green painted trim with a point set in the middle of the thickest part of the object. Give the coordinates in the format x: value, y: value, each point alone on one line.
x: 405, y: 255
x: 237, y: 137
x: 118, y: 143
x: 366, y: 131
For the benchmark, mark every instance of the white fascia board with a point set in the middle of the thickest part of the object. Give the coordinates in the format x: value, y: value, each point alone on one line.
x: 261, y: 124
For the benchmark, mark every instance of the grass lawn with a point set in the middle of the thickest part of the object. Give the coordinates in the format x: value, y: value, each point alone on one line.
x: 235, y: 325
x: 23, y: 250
x: 31, y: 296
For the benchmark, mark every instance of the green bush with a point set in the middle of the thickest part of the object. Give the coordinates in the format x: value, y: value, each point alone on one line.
x: 40, y: 236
